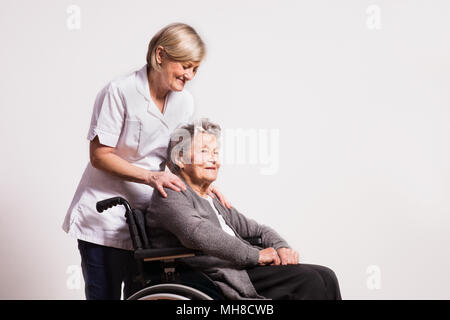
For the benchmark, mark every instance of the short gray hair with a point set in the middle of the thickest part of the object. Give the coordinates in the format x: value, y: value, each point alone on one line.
x: 182, y: 137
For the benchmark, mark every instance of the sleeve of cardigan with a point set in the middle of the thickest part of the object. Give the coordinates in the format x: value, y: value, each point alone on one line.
x: 177, y: 214
x: 247, y: 227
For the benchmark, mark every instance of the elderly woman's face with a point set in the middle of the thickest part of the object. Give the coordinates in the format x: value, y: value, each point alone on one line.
x: 205, y: 163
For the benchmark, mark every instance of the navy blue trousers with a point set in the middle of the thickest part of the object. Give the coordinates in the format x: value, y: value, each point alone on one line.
x: 104, y: 271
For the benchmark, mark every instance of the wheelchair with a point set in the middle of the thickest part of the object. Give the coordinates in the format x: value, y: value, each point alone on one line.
x: 161, y: 275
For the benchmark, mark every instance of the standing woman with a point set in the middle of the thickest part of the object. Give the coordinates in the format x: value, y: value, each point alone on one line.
x: 130, y: 129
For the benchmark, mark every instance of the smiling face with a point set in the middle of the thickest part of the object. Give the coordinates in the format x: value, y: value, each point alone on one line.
x: 175, y: 74
x: 205, y: 163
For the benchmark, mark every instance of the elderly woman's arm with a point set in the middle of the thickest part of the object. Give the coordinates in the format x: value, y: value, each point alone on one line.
x: 270, y: 238
x: 248, y: 228
x: 177, y: 214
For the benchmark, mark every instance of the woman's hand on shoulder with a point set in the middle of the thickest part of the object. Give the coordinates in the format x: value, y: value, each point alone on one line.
x: 213, y: 191
x: 161, y: 179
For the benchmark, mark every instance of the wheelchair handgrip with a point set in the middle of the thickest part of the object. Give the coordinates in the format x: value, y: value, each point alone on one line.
x: 109, y: 203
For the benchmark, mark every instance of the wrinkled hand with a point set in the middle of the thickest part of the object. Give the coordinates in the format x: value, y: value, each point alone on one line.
x: 268, y: 256
x: 212, y: 191
x: 160, y: 179
x: 288, y: 256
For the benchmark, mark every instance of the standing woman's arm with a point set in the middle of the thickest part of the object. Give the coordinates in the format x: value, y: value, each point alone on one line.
x: 104, y: 132
x: 103, y: 158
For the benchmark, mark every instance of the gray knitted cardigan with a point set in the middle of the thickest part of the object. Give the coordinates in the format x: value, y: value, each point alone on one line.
x: 186, y: 219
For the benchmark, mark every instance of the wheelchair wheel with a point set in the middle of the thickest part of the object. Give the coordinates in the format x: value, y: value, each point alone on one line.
x: 169, y: 292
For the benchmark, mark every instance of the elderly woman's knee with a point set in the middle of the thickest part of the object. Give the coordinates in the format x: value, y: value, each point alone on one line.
x: 330, y: 280
x: 315, y: 282
x: 304, y: 274
x: 310, y: 284
x: 327, y: 273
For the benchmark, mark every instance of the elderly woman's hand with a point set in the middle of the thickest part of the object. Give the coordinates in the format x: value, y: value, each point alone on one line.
x: 268, y: 256
x: 213, y: 191
x: 160, y: 179
x: 288, y: 256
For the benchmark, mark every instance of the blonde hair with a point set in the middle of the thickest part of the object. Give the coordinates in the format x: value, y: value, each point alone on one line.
x: 180, y: 42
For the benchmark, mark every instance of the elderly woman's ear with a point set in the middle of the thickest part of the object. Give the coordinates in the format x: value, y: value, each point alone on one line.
x: 178, y: 160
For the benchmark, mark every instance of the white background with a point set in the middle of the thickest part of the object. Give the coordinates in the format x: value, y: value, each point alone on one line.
x: 363, y: 116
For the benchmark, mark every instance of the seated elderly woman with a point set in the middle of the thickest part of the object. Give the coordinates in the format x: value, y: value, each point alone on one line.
x: 193, y: 219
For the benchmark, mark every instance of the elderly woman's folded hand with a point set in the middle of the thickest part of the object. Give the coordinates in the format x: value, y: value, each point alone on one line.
x: 268, y: 256
x: 287, y: 256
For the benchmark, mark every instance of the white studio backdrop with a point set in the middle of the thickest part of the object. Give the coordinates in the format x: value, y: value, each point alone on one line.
x: 342, y: 108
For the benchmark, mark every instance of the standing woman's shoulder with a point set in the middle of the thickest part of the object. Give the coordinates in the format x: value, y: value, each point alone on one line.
x: 115, y: 86
x: 109, y: 111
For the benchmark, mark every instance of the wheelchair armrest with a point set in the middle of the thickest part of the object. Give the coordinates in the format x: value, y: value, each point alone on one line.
x: 254, y: 241
x: 178, y: 252
x: 164, y: 253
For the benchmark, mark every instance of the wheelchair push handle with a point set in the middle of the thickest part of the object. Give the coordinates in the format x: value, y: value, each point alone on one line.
x: 112, y: 202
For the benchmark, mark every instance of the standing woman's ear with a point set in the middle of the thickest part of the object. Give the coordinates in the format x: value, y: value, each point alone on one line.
x: 159, y: 54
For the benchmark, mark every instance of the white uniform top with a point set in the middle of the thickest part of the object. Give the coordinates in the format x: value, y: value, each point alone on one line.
x: 124, y: 117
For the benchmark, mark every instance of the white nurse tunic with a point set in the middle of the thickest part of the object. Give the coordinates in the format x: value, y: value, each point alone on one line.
x: 124, y: 117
